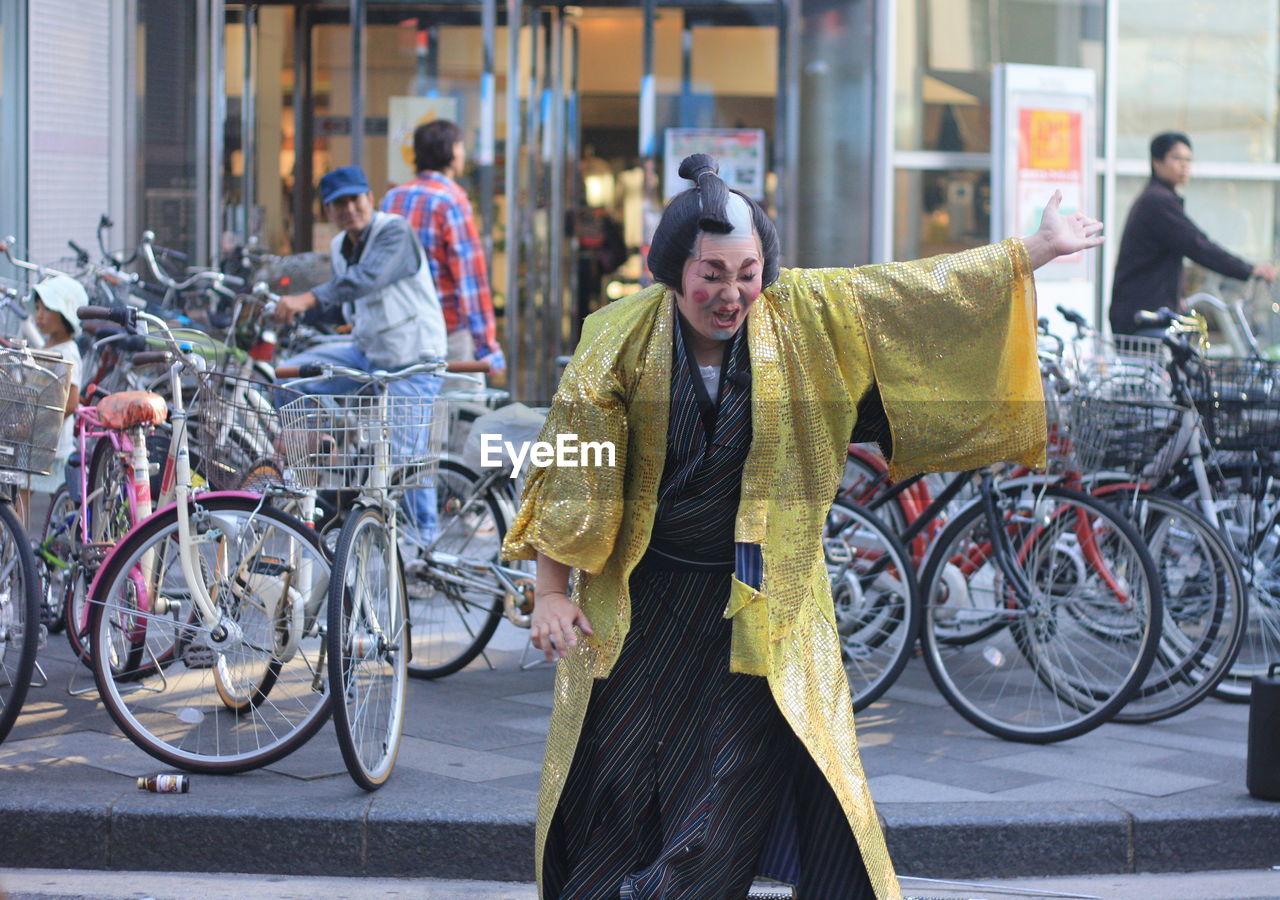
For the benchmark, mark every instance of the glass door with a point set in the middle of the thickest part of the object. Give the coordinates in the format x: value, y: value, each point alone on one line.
x: 539, y: 167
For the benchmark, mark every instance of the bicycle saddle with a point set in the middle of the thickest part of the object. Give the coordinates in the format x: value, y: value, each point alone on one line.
x: 128, y: 409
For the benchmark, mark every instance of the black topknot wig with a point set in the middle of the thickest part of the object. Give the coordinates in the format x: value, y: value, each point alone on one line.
x: 702, y: 208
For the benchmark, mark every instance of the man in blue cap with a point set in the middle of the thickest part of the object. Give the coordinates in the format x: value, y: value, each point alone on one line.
x: 382, y: 285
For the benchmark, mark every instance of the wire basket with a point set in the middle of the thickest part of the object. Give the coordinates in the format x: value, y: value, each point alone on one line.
x: 1121, y: 415
x: 33, y: 402
x: 1241, y: 405
x: 331, y: 441
x: 238, y: 431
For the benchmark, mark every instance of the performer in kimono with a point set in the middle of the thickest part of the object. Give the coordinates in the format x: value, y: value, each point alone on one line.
x: 702, y: 731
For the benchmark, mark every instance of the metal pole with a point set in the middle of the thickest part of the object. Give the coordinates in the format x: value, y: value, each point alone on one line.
x: 573, y: 183
x: 648, y: 91
x: 488, y: 125
x: 357, y: 82
x: 786, y: 141
x: 248, y: 119
x: 1110, y: 181
x: 556, y: 239
x: 885, y: 21
x: 302, y: 132
x: 686, y: 74
x: 533, y: 249
x: 511, y: 303
x: 211, y: 111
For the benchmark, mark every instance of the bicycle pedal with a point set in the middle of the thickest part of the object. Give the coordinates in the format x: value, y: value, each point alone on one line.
x: 199, y: 656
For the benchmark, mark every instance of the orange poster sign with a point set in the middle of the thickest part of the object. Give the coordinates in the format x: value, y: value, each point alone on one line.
x: 1050, y: 140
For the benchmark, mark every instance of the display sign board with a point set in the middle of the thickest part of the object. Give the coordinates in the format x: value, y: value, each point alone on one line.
x: 1044, y: 127
x: 404, y: 114
x: 740, y: 152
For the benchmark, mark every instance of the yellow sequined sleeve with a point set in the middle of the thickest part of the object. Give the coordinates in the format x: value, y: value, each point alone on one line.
x: 571, y: 508
x: 953, y: 348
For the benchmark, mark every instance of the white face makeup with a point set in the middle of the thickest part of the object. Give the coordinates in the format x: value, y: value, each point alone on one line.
x: 720, y: 282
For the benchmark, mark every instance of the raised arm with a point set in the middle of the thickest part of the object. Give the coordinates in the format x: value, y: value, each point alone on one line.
x: 1061, y: 235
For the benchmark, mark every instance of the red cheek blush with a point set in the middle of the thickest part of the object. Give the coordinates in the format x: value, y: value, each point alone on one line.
x: 701, y: 296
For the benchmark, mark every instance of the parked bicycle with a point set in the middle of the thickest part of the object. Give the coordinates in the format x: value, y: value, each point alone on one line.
x: 207, y: 622
x: 33, y: 395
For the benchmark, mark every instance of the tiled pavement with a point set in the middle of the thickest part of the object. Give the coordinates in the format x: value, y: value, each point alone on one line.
x: 956, y: 802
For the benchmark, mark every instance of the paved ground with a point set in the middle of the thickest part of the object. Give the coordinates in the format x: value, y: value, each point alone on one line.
x: 81, y: 884
x: 956, y: 802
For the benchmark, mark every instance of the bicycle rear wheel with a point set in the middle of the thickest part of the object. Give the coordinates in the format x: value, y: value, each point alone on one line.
x: 229, y: 699
x: 368, y: 649
x: 877, y: 603
x: 57, y: 559
x: 455, y: 605
x: 1070, y: 602
x: 107, y: 507
x: 19, y: 617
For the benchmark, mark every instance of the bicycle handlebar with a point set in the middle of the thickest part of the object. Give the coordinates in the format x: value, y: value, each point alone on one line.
x: 288, y: 373
x: 1073, y: 317
x: 328, y: 370
x: 148, y: 250
x: 146, y: 357
x: 1160, y: 318
x: 121, y: 315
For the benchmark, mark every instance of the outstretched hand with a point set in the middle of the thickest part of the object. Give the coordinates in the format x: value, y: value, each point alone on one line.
x: 1061, y: 235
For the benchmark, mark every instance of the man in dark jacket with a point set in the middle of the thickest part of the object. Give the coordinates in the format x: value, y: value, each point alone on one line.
x: 1158, y: 234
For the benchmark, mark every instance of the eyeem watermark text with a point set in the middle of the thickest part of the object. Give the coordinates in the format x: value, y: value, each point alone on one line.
x: 566, y: 452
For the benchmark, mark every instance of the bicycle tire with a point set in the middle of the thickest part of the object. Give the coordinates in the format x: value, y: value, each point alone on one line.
x: 862, y: 483
x: 1253, y: 531
x: 451, y: 624
x: 368, y: 649
x: 107, y: 508
x: 58, y: 540
x: 1205, y: 606
x: 269, y: 577
x: 1045, y: 676
x: 19, y: 617
x: 876, y: 600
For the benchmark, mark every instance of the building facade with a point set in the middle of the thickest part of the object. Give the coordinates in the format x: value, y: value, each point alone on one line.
x: 864, y: 125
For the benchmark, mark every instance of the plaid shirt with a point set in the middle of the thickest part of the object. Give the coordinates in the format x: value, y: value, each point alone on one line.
x: 440, y: 213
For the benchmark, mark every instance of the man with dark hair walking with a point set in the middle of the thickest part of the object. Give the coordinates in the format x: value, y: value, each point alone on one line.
x: 440, y: 213
x: 1158, y: 234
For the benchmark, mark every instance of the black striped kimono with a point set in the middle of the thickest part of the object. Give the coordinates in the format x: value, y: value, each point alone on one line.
x: 687, y: 781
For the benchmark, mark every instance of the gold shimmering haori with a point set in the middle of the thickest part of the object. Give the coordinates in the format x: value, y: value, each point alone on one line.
x: 950, y: 341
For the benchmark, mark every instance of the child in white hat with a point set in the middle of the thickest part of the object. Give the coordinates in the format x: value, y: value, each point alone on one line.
x: 57, y: 298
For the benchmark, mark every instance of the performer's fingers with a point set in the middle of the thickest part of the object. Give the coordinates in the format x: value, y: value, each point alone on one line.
x: 566, y: 633
x: 583, y: 622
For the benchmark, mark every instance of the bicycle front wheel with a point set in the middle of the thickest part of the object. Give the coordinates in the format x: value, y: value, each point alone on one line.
x: 214, y: 696
x: 1069, y: 604
x: 877, y: 605
x: 19, y: 617
x: 1205, y: 606
x: 368, y: 648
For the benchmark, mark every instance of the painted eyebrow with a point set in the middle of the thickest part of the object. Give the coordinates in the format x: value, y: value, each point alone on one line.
x: 720, y: 265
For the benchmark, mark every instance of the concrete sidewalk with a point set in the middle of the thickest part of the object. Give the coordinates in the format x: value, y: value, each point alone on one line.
x: 956, y: 802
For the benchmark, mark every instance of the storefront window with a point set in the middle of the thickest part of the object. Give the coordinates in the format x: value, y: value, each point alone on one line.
x: 1206, y: 67
x: 946, y: 48
x: 941, y: 211
x: 168, y: 143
